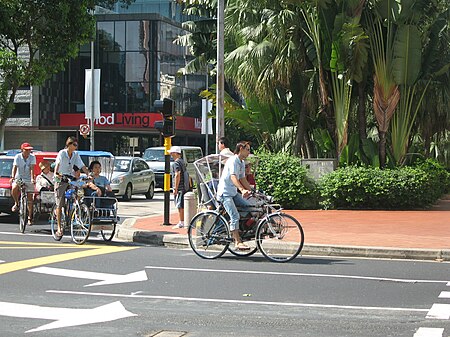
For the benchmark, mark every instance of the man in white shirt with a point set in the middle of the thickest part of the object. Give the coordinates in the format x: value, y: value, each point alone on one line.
x: 64, y: 165
x: 232, y: 179
x: 23, y: 168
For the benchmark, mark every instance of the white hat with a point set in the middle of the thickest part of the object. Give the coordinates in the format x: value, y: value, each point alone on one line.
x: 175, y: 149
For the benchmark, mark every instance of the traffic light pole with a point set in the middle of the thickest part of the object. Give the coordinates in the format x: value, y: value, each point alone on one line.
x: 167, y: 146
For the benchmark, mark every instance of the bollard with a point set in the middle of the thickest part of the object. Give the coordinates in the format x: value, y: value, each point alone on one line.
x: 190, y: 207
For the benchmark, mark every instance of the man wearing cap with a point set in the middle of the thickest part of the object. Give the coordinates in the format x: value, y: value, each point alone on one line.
x: 23, y: 168
x: 178, y: 169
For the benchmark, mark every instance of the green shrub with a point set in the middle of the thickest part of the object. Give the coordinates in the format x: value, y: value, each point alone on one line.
x: 373, y: 188
x: 284, y: 178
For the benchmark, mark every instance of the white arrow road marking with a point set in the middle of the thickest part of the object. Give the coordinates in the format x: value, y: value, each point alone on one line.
x: 105, y: 278
x: 64, y: 317
x: 429, y: 332
x: 439, y: 311
x: 444, y: 294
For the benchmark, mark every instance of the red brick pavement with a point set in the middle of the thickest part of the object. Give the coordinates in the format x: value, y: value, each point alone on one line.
x: 398, y: 229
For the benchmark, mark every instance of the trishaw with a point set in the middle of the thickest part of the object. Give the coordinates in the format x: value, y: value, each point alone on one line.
x: 83, y: 214
x: 263, y: 226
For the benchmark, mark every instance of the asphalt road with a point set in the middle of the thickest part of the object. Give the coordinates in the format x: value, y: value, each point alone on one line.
x: 50, y: 288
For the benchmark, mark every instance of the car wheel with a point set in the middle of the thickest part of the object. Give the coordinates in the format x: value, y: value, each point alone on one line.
x: 128, y: 192
x: 151, y: 191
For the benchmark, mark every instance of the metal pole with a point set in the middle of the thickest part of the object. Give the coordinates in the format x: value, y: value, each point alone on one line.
x: 92, y: 96
x: 167, y: 146
x: 220, y: 73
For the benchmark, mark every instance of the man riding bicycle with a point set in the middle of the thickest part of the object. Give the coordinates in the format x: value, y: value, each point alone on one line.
x: 66, y: 160
x: 23, y: 169
x: 232, y: 179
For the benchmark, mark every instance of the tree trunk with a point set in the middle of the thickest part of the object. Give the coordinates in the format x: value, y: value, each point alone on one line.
x: 382, y: 149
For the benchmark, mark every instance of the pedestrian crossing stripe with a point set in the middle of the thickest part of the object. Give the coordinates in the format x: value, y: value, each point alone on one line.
x: 444, y: 294
x: 429, y: 332
x: 439, y: 311
x: 44, y: 260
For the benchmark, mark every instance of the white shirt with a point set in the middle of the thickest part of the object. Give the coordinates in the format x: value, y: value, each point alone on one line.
x: 42, y: 182
x: 24, y: 167
x: 66, y: 164
x: 233, y: 166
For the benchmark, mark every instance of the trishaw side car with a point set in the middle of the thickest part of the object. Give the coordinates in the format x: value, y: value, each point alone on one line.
x: 93, y: 213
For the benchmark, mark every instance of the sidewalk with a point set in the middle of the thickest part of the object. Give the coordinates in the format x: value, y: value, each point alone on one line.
x: 418, y: 234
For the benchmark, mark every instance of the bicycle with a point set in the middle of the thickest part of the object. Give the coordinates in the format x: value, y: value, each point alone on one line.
x: 23, y: 205
x: 74, y: 214
x: 278, y: 236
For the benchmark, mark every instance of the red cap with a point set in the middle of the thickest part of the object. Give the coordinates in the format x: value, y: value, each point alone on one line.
x: 26, y: 146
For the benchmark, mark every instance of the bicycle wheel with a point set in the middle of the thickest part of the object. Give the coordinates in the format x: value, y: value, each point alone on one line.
x: 108, y: 234
x: 209, y: 235
x: 80, y: 223
x: 54, y: 223
x: 23, y: 212
x: 280, y: 237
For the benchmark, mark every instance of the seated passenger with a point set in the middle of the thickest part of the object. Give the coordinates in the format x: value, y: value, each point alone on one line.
x: 99, y: 185
x: 44, y: 181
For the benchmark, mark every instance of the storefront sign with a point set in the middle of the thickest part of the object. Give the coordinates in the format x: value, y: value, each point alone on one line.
x: 120, y: 120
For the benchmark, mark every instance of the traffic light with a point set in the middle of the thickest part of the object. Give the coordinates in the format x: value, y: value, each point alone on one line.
x: 167, y: 108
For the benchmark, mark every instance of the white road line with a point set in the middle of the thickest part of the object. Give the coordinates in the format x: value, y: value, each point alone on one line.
x: 445, y: 294
x: 217, y: 300
x: 28, y: 234
x: 429, y: 332
x: 439, y: 311
x: 299, y: 274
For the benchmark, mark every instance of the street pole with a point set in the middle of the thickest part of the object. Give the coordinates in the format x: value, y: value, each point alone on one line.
x: 220, y: 97
x: 92, y: 95
x: 167, y: 146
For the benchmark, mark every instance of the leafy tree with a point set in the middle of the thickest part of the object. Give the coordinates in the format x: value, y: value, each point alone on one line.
x: 37, y: 38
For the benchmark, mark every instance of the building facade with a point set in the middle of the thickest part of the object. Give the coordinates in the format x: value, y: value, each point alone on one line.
x: 138, y: 60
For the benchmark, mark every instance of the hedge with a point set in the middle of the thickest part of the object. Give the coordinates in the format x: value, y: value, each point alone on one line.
x: 283, y: 177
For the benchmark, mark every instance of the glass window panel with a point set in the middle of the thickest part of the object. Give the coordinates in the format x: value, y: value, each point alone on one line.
x: 132, y: 34
x: 119, y: 36
x: 105, y: 35
x: 137, y: 67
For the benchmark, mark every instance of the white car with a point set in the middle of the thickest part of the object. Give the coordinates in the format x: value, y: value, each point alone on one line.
x: 132, y: 175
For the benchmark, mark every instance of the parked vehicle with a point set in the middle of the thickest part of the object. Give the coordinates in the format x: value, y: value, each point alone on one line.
x: 154, y: 156
x: 132, y: 175
x: 6, y: 164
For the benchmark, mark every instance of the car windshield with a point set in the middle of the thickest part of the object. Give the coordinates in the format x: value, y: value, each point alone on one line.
x: 6, y: 167
x: 154, y: 155
x: 122, y: 165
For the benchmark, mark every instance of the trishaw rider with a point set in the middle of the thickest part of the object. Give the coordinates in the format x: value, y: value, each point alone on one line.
x: 23, y: 168
x: 64, y: 165
x: 232, y: 179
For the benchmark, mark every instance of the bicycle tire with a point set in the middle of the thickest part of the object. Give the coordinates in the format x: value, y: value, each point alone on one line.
x: 209, y: 235
x: 280, y: 237
x: 54, y: 223
x: 107, y: 234
x: 23, y: 212
x: 80, y: 223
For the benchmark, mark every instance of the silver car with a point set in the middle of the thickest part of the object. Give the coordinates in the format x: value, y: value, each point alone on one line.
x: 131, y: 176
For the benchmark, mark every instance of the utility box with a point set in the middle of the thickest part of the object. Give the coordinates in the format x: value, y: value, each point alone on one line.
x: 318, y: 167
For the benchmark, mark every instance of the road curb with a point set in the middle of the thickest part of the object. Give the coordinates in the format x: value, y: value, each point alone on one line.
x: 126, y: 232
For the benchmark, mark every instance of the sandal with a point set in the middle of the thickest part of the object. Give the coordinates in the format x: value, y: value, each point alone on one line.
x: 15, y: 208
x: 58, y: 235
x: 30, y: 222
x: 241, y: 246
